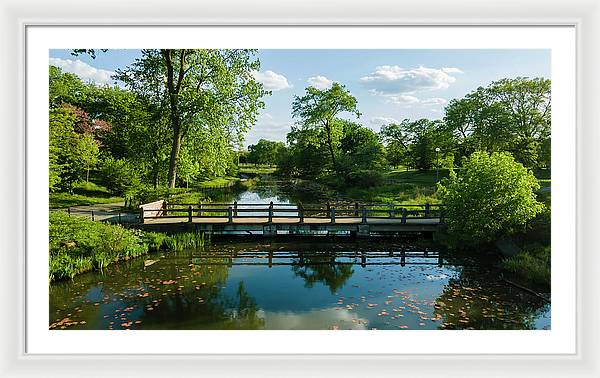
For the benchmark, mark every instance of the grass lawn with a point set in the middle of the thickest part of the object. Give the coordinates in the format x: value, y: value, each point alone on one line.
x: 402, y: 187
x: 259, y: 169
x: 218, y: 182
x: 83, y: 194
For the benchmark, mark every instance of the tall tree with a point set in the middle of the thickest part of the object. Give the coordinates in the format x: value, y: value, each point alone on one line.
x: 319, y: 108
x: 201, y: 88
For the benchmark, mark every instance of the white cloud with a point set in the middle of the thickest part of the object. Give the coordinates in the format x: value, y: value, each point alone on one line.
x: 383, y: 120
x: 320, y: 82
x: 395, y: 80
x: 84, y: 71
x: 267, y: 127
x: 452, y: 70
x: 403, y: 99
x: 434, y: 101
x: 272, y: 81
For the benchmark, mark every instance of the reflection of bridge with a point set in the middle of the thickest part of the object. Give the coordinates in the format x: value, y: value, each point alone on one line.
x: 272, y: 219
x: 300, y: 258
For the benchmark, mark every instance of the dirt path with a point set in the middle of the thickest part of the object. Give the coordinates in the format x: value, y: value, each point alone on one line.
x: 108, y: 212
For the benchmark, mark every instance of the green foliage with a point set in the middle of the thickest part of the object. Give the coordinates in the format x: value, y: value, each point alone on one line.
x: 119, y: 176
x: 78, y: 245
x: 187, y: 240
x: 70, y: 153
x: 491, y: 196
x: 533, y: 264
x: 508, y: 115
x: 83, y: 194
x: 265, y: 152
x: 421, y: 144
x: 206, y: 92
x: 318, y: 109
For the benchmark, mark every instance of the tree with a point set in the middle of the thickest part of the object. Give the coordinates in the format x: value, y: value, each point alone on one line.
x: 360, y: 149
x: 265, y: 152
x: 507, y: 115
x: 418, y: 140
x: 200, y: 88
x: 396, y: 143
x: 71, y: 153
x: 87, y: 153
x: 319, y: 108
x: 65, y: 88
x: 493, y: 195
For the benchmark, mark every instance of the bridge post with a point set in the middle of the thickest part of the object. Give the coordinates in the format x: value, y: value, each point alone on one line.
x: 404, y: 215
x: 441, y: 215
x: 332, y: 212
x: 190, y: 214
x: 392, y: 211
x: 364, y: 215
x: 235, y: 208
x: 355, y: 209
x: 328, y: 209
x: 200, y: 209
x: 230, y: 215
x: 141, y: 214
x: 271, y: 212
x: 301, y: 213
x: 92, y: 214
x: 427, y: 206
x: 69, y: 211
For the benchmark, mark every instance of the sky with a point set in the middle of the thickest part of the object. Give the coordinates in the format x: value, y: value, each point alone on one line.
x: 389, y: 85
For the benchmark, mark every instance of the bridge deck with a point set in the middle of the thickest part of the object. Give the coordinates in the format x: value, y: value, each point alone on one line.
x: 290, y: 220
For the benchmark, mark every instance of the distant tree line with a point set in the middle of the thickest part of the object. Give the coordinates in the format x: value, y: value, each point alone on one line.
x: 509, y: 115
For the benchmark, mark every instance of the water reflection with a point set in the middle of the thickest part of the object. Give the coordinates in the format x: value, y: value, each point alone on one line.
x: 323, y: 269
x: 231, y: 285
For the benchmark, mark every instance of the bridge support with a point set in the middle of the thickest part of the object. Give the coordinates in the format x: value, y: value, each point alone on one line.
x: 269, y: 230
x: 364, y: 230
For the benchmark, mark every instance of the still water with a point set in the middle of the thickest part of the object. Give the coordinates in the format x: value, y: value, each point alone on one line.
x: 307, y: 285
x: 317, y: 283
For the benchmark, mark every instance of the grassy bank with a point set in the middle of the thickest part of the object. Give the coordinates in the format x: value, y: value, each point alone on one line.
x: 83, y: 194
x: 399, y: 186
x: 532, y: 264
x: 79, y: 245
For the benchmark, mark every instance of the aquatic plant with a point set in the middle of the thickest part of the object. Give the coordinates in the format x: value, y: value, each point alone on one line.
x: 187, y: 240
x: 78, y: 245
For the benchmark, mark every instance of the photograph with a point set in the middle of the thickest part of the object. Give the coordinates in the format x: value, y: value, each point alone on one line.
x: 299, y: 189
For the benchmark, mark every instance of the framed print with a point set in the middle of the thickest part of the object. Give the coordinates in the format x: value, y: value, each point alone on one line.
x: 324, y: 196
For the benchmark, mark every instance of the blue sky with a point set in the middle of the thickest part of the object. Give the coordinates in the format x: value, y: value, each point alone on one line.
x: 390, y: 85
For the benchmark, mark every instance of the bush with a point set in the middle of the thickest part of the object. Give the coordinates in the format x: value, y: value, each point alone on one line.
x: 118, y: 175
x: 533, y: 264
x: 491, y: 196
x: 364, y: 178
x: 79, y: 245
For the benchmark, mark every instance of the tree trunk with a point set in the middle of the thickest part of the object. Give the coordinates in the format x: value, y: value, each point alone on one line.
x: 87, y: 176
x: 174, y: 155
x: 330, y: 145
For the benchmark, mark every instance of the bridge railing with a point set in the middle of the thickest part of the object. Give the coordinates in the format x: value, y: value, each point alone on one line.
x: 293, y: 211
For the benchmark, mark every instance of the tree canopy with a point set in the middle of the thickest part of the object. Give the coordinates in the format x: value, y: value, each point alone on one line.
x: 491, y: 195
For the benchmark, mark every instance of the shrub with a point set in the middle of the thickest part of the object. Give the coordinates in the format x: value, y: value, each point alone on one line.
x: 491, y: 196
x: 533, y: 264
x: 79, y: 245
x: 364, y: 178
x: 118, y: 175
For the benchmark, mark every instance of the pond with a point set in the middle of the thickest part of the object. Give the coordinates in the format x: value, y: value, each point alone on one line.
x: 298, y: 283
x: 309, y: 284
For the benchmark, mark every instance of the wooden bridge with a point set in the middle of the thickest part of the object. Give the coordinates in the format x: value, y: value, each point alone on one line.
x: 400, y: 257
x: 272, y: 219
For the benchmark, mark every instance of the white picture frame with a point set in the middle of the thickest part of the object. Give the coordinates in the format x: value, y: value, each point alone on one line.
x: 17, y: 16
